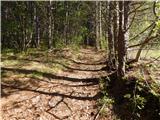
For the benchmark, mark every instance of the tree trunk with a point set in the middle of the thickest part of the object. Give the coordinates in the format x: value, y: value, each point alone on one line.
x: 49, y: 26
x: 115, y: 31
x: 53, y: 22
x: 37, y: 31
x: 32, y: 19
x: 65, y: 32
x: 126, y: 23
x: 35, y: 27
x: 110, y: 37
x: 23, y: 34
x: 100, y: 25
x: 97, y: 26
x: 121, y: 43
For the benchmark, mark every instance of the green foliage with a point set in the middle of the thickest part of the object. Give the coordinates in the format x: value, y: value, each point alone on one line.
x: 103, y: 43
x: 77, y: 40
x: 139, y: 101
x: 140, y: 97
x: 158, y: 24
x: 18, y: 22
x: 106, y: 100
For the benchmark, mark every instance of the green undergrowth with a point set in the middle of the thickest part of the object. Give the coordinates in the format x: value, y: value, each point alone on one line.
x: 139, y: 96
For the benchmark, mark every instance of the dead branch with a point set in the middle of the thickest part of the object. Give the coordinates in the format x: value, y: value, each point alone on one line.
x: 140, y: 5
x: 144, y: 42
x: 143, y: 31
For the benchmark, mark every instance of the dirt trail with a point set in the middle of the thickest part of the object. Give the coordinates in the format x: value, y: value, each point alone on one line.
x: 70, y: 97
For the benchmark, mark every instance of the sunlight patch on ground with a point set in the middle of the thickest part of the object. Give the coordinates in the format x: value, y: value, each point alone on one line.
x: 9, y: 63
x: 51, y: 67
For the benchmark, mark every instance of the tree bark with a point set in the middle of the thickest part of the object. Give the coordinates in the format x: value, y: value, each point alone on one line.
x: 100, y: 24
x: 65, y: 32
x: 97, y: 26
x: 49, y: 25
x: 126, y: 23
x: 37, y: 31
x: 115, y: 31
x: 110, y: 37
x: 121, y: 43
x: 53, y: 22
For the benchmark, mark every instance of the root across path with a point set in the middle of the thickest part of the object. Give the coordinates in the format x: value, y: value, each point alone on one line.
x: 69, y: 94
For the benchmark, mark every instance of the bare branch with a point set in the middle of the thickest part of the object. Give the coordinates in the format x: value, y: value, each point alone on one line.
x: 144, y: 42
x: 135, y: 9
x: 148, y: 38
x: 142, y: 31
x: 141, y: 10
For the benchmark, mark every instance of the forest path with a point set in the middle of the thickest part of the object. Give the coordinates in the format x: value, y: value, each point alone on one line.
x: 69, y: 94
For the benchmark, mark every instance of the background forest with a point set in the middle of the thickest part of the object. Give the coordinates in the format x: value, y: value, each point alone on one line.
x: 110, y: 49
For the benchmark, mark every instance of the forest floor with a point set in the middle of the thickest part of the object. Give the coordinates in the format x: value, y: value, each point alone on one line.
x: 66, y: 84
x: 60, y: 84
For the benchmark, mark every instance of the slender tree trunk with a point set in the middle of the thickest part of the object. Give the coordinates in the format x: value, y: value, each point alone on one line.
x: 23, y: 34
x: 35, y: 27
x: 49, y: 25
x: 121, y: 43
x: 100, y: 24
x: 126, y: 23
x: 37, y: 31
x: 33, y: 17
x: 53, y: 22
x: 115, y: 32
x: 97, y: 26
x: 65, y: 33
x: 110, y: 37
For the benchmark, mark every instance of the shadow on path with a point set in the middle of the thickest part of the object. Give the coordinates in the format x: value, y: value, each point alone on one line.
x: 55, y: 93
x: 49, y: 75
x: 86, y: 63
